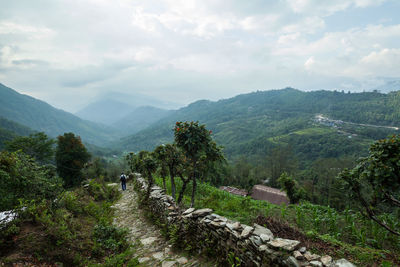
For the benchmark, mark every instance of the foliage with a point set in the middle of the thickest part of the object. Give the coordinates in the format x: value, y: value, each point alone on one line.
x: 37, y: 145
x: 375, y: 181
x: 199, y: 148
x: 354, y: 235
x: 74, y: 229
x: 292, y: 189
x: 22, y: 178
x: 71, y: 157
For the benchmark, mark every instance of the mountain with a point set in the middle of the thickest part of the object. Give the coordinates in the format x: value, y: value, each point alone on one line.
x: 252, y: 124
x: 9, y: 130
x: 106, y: 111
x: 389, y: 86
x: 40, y: 116
x: 112, y: 107
x: 140, y: 118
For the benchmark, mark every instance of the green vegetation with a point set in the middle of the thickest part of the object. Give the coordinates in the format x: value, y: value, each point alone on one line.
x: 71, y: 156
x: 71, y: 227
x: 348, y: 233
x: 40, y: 116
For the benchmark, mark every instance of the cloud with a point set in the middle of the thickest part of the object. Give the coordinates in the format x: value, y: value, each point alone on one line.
x: 188, y: 49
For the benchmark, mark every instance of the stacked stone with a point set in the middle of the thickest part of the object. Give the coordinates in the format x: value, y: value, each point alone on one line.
x: 252, y: 245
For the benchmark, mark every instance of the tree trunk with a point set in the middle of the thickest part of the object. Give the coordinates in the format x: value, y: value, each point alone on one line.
x: 150, y: 185
x: 193, y: 190
x: 172, y: 185
x: 164, y: 185
x: 185, y: 182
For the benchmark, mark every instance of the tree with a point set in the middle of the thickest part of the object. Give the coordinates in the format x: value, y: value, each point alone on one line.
x: 22, y: 178
x: 375, y: 181
x: 292, y: 189
x: 279, y: 160
x: 160, y: 154
x: 37, y: 145
x: 147, y: 165
x: 71, y: 157
x: 198, y: 147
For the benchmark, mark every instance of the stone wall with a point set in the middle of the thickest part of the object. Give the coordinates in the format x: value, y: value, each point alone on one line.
x: 232, y: 242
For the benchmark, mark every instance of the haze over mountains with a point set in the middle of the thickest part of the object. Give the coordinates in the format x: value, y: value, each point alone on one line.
x: 248, y: 124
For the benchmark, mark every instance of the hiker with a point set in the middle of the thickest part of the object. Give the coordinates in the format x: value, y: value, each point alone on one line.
x: 123, y: 181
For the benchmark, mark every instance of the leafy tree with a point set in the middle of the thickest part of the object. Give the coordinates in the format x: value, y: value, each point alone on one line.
x: 22, y: 178
x: 37, y: 145
x: 71, y: 157
x: 199, y: 148
x: 375, y: 181
x: 160, y: 154
x: 292, y: 189
x: 278, y: 161
x: 147, y: 166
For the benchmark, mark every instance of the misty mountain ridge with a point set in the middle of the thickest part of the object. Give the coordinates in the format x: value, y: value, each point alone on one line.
x: 40, y: 116
x: 139, y: 119
x: 388, y: 86
x: 252, y: 124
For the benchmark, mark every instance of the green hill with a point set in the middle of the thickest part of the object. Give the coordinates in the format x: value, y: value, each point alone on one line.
x: 40, y: 116
x: 252, y: 124
x: 9, y: 130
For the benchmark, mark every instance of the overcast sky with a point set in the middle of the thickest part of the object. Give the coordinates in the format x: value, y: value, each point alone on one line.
x: 67, y: 52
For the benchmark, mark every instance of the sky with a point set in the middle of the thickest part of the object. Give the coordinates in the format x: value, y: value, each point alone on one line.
x: 70, y: 52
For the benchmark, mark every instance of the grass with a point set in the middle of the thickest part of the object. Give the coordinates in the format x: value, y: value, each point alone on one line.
x: 350, y: 234
x: 76, y: 229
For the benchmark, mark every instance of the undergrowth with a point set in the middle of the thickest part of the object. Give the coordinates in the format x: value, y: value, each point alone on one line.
x: 75, y: 229
x: 346, y: 234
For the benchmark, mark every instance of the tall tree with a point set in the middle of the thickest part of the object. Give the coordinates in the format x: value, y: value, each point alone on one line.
x: 37, y: 145
x: 375, y: 181
x: 71, y: 157
x: 160, y: 154
x: 199, y: 148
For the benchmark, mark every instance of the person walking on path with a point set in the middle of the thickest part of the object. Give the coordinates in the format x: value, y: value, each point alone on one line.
x: 123, y: 181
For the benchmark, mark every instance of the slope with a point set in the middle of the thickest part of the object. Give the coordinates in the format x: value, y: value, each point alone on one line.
x: 40, y: 116
x: 246, y: 124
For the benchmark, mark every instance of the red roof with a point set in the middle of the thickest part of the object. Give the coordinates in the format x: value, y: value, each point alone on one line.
x: 235, y: 191
x: 272, y: 195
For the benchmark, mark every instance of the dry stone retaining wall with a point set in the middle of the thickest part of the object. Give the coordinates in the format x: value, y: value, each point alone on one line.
x: 231, y: 241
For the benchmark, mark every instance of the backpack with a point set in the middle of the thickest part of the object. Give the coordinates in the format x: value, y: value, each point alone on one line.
x: 123, y: 178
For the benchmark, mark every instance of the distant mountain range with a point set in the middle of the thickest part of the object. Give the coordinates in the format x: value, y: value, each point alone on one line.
x: 252, y: 124
x: 389, y: 86
x: 40, y: 116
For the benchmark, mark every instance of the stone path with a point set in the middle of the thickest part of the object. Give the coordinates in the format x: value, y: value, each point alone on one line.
x: 151, y: 247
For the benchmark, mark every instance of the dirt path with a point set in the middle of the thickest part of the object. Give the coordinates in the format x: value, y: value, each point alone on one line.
x: 152, y: 248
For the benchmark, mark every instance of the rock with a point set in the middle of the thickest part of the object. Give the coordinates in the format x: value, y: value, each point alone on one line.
x: 316, y: 264
x: 291, y: 262
x: 112, y: 184
x: 266, y: 238
x: 256, y: 240
x: 201, y: 212
x: 158, y: 256
x: 144, y: 259
x: 190, y: 210
x: 285, y: 244
x: 311, y: 257
x: 297, y: 254
x: 261, y: 230
x: 168, y: 263
x: 182, y: 260
x: 233, y: 226
x: 167, y: 251
x: 302, y: 250
x: 148, y: 241
x: 342, y: 263
x: 246, y: 231
x: 326, y: 260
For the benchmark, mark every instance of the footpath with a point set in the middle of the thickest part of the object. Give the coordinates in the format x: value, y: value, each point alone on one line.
x: 151, y: 248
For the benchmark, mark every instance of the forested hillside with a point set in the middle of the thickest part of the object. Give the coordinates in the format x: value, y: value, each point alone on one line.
x: 9, y: 130
x: 253, y: 124
x: 40, y: 116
